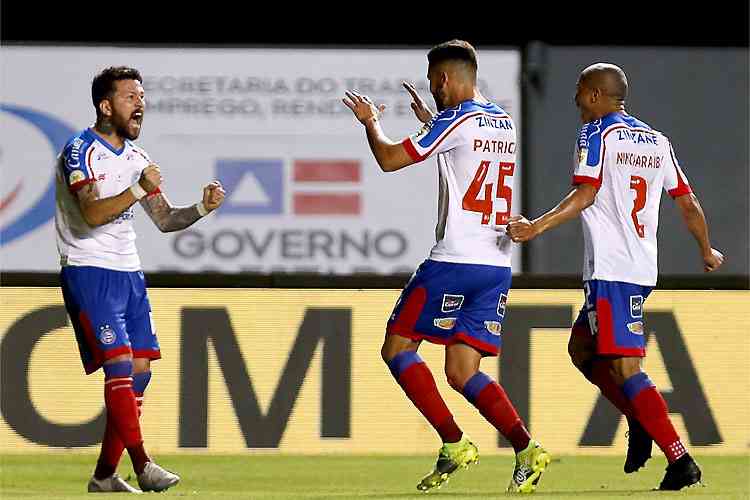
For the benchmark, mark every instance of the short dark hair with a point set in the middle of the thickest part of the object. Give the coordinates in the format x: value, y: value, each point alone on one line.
x: 454, y: 50
x: 103, y: 85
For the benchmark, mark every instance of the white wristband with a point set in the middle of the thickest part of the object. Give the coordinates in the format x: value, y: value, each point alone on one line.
x: 201, y: 209
x: 138, y: 191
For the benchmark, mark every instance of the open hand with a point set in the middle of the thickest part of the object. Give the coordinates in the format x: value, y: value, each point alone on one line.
x: 362, y: 107
x: 420, y: 108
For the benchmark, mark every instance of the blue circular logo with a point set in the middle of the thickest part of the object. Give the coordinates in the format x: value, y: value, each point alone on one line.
x: 57, y: 134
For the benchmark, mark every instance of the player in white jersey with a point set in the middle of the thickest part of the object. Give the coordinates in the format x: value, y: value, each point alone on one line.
x: 457, y: 297
x: 621, y: 167
x: 100, y: 176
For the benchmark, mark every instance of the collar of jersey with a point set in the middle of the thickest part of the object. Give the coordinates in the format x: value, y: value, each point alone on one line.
x: 104, y: 143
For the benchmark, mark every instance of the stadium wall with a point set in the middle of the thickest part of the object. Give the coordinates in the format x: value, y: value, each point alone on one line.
x: 299, y: 371
x: 672, y: 89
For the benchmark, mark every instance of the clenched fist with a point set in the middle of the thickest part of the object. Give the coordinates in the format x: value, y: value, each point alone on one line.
x: 150, y: 178
x: 213, y: 196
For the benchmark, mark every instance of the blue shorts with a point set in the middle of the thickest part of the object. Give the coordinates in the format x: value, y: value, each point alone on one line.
x: 613, y: 315
x: 110, y: 313
x: 448, y: 303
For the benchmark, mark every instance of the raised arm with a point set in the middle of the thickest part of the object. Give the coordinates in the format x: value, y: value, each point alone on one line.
x: 168, y: 217
x: 99, y: 211
x: 520, y: 229
x: 695, y: 220
x: 391, y: 156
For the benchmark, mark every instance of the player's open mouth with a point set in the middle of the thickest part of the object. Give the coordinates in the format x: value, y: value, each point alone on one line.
x: 137, y: 117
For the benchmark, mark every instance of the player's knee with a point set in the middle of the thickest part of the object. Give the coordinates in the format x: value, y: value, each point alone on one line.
x: 624, y: 368
x: 457, y: 376
x: 141, y: 365
x: 119, y: 359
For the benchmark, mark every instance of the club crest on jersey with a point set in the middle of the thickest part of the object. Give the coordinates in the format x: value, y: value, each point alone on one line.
x: 636, y: 327
x: 76, y: 176
x: 501, y: 305
x: 452, y: 302
x: 636, y: 306
x: 444, y: 323
x: 107, y: 335
x: 494, y: 327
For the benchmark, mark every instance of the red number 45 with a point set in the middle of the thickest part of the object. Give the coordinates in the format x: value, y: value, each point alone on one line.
x: 484, y: 205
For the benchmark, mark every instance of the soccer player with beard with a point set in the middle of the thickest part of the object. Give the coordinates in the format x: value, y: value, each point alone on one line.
x: 101, y: 174
x: 457, y: 296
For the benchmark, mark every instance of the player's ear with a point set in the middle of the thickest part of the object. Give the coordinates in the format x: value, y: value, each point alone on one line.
x: 105, y: 107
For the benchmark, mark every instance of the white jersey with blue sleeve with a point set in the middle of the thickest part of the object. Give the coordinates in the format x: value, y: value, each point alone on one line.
x: 629, y: 163
x: 88, y: 158
x: 475, y: 145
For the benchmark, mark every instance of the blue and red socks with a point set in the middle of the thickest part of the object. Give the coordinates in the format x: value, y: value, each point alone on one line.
x: 417, y: 381
x: 112, y: 445
x: 122, y: 420
x: 140, y: 382
x: 493, y: 403
x: 651, y: 411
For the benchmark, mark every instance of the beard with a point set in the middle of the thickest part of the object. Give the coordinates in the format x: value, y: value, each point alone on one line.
x: 127, y: 127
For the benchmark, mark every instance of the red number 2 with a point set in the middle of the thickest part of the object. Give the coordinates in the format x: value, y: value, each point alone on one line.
x: 638, y: 184
x: 484, y: 205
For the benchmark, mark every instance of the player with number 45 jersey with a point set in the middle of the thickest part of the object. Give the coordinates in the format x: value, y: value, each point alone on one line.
x: 621, y: 167
x: 457, y: 297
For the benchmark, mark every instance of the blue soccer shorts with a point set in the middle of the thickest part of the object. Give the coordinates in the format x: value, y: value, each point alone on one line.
x: 110, y: 313
x: 613, y: 315
x: 448, y: 303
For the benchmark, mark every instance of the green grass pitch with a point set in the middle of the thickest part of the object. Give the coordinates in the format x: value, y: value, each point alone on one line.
x: 269, y: 476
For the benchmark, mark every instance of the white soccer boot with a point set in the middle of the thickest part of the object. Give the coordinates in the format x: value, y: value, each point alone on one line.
x: 156, y: 478
x: 113, y: 483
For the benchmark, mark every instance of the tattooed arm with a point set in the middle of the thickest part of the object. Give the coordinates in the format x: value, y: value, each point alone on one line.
x: 99, y: 211
x: 169, y: 218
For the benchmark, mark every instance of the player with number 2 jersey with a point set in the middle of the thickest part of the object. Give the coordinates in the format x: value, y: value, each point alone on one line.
x: 621, y: 167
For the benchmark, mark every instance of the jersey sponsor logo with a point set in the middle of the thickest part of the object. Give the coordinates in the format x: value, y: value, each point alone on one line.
x: 125, y: 216
x: 76, y: 176
x: 75, y: 153
x: 636, y: 327
x: 494, y: 327
x: 636, y: 306
x: 501, y: 305
x: 444, y: 323
x: 641, y: 161
x: 636, y: 136
x: 452, y: 302
x: 107, y: 336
